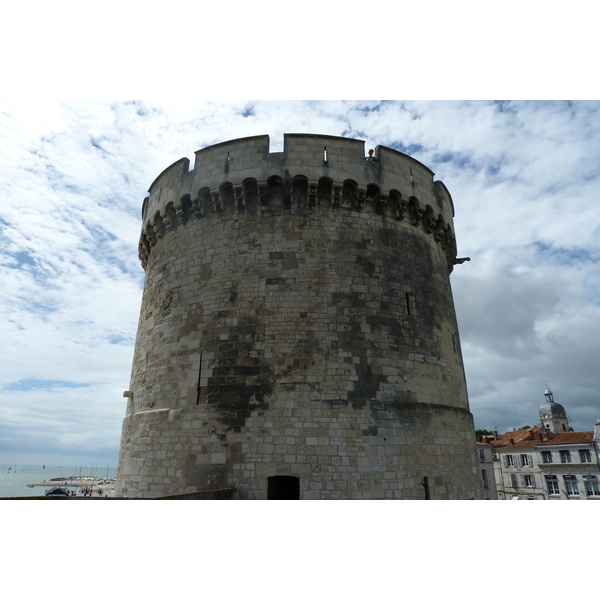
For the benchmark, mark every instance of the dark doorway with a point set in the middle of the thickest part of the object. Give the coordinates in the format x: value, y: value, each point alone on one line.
x: 283, y: 487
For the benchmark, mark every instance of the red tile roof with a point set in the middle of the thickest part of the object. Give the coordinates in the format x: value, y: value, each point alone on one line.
x: 571, y: 437
x: 521, y: 442
x: 517, y: 435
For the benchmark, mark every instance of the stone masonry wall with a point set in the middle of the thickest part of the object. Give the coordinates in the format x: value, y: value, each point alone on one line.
x: 297, y: 319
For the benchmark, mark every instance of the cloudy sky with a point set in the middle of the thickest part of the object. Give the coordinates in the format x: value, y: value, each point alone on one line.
x: 73, y: 174
x: 524, y: 176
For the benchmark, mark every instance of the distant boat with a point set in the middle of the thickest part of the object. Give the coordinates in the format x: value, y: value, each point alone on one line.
x: 57, y: 491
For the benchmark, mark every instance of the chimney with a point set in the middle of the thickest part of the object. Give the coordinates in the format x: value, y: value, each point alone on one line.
x: 495, y: 435
x: 511, y: 441
x: 530, y: 434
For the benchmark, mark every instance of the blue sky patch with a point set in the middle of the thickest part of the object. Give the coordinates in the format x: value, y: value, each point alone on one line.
x: 42, y: 384
x: 24, y: 258
x: 564, y: 256
x: 409, y: 149
x: 120, y: 339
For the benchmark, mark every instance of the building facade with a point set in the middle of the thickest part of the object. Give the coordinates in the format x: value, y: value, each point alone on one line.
x: 297, y: 336
x: 486, y: 469
x: 547, y: 462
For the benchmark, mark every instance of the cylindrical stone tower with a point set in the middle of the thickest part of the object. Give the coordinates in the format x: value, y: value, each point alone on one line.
x: 297, y: 336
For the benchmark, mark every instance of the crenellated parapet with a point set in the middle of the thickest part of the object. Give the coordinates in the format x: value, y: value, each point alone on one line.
x: 314, y: 174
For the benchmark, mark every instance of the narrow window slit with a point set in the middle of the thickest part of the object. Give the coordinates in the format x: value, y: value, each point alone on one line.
x: 408, y: 303
x: 199, y: 379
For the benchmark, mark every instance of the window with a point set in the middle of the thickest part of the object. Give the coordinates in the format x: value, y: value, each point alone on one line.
x: 571, y: 485
x: 552, y: 483
x: 508, y: 461
x: 485, y: 479
x: 546, y: 456
x: 591, y: 485
x: 482, y: 455
x: 524, y: 460
x: 528, y: 481
x: 513, y: 480
x: 565, y: 456
x: 585, y: 456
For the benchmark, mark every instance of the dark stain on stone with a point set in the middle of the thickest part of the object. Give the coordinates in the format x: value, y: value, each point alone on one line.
x: 367, y: 266
x: 289, y: 261
x: 306, y: 353
x: 371, y: 430
x: 240, y: 383
x: 411, y: 414
x: 367, y: 385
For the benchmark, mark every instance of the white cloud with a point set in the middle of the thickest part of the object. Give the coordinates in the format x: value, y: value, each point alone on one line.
x: 73, y: 176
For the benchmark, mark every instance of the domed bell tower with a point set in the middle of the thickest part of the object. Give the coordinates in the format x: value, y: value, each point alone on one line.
x: 552, y: 415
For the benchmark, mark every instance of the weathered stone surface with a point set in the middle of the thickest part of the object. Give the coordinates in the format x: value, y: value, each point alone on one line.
x: 295, y: 325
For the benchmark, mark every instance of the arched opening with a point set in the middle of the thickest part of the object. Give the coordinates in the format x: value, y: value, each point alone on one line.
x: 275, y: 190
x: 373, y: 193
x: 159, y: 225
x: 170, y: 216
x: 300, y: 191
x: 283, y: 487
x: 227, y: 195
x: 205, y: 201
x: 429, y: 219
x: 349, y: 193
x: 395, y: 202
x: 250, y: 194
x: 186, y: 207
x: 324, y: 191
x: 414, y: 212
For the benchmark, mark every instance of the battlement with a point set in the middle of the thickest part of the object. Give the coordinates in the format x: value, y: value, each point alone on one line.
x: 314, y: 155
x: 241, y: 177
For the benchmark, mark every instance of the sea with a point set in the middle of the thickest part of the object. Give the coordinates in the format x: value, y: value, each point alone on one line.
x: 14, y: 478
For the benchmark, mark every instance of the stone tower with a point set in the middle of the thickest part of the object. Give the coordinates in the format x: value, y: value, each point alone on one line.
x: 297, y: 336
